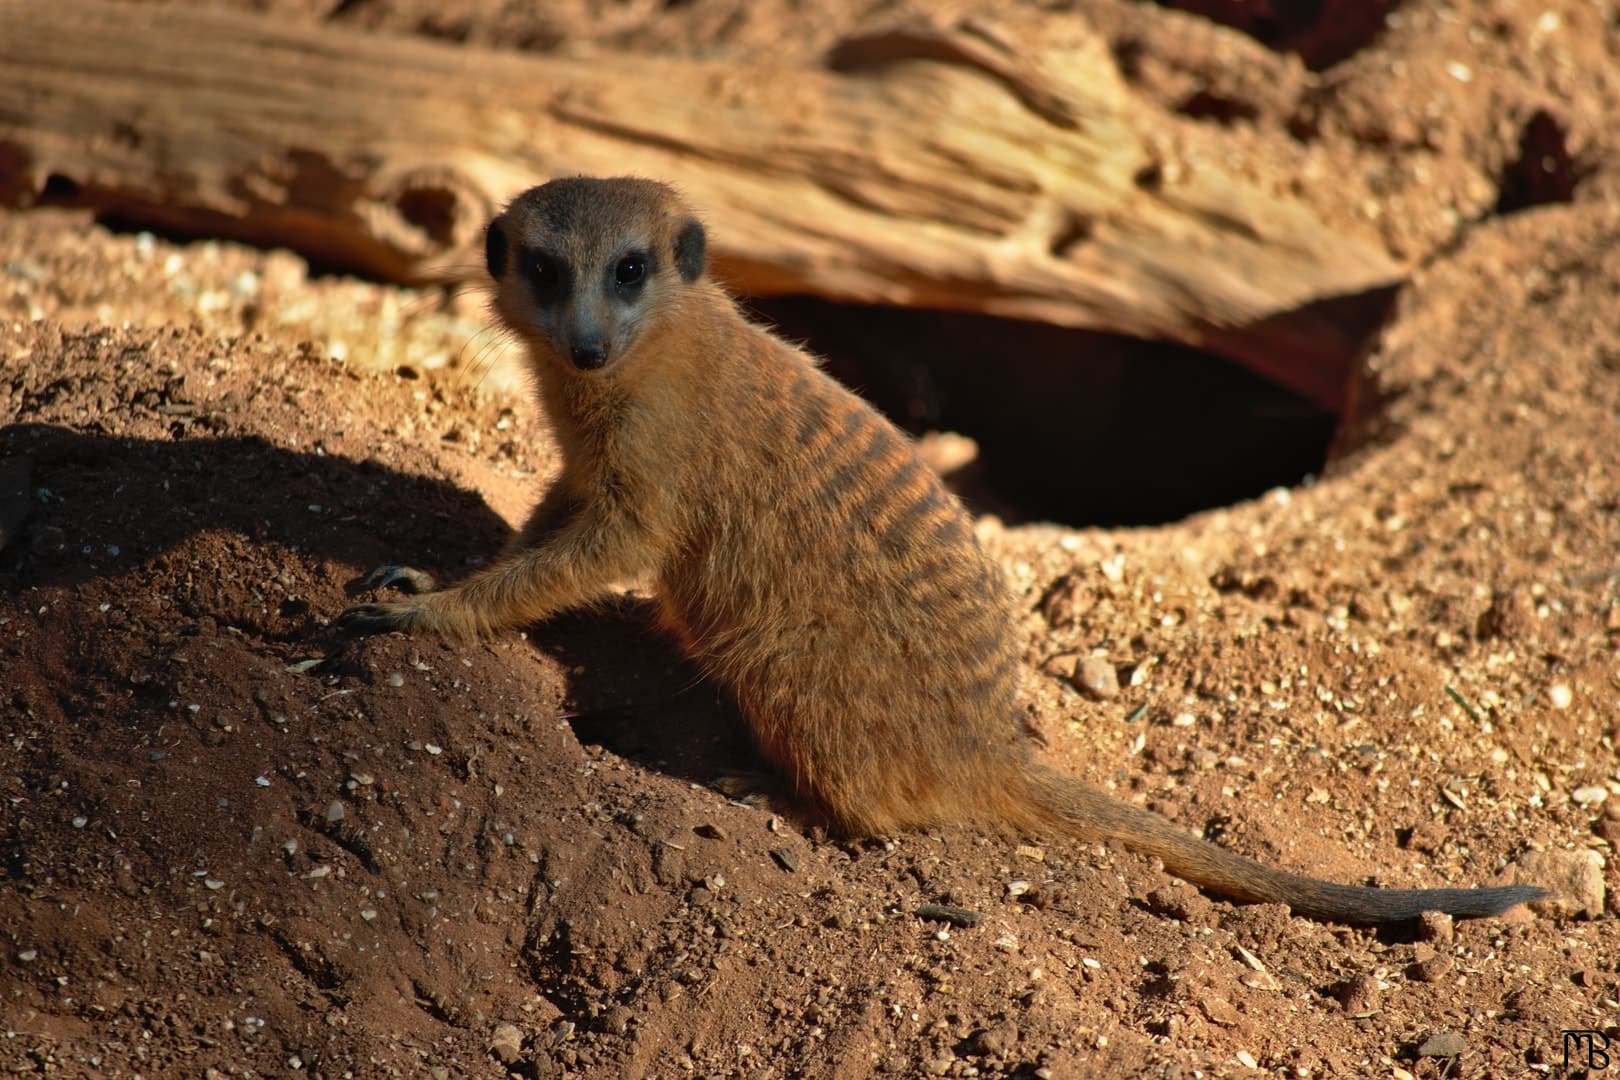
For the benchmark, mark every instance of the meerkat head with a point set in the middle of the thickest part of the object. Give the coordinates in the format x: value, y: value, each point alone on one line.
x: 583, y: 267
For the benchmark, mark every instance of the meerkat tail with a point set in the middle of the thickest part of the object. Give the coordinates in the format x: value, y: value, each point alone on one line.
x: 1092, y: 814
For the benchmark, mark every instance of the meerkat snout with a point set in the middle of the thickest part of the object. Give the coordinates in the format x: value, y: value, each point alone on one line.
x: 589, y: 353
x: 591, y: 321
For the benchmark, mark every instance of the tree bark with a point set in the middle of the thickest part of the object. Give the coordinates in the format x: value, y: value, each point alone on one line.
x: 974, y: 166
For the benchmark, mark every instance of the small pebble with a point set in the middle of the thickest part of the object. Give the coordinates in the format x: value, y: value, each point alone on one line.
x: 945, y: 913
x: 1179, y: 900
x: 1443, y: 1044
x: 1260, y: 980
x: 1590, y: 795
x: 506, y: 1044
x: 1097, y: 677
x: 1040, y: 897
x: 616, y: 1021
x: 1359, y: 996
x: 1246, y: 1059
x: 1574, y: 877
x: 334, y: 812
x: 785, y: 859
x: 1431, y: 969
x: 993, y: 1041
x: 1219, y: 1011
x: 396, y: 679
x: 1560, y: 695
x: 1436, y: 926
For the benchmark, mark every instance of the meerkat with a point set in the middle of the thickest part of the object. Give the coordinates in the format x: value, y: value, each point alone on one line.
x: 803, y: 553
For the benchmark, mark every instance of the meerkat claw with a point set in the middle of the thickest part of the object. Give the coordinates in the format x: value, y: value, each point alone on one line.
x: 407, y: 578
x: 374, y: 619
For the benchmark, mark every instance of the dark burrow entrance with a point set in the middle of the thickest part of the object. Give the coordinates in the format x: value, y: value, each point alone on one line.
x: 1081, y: 428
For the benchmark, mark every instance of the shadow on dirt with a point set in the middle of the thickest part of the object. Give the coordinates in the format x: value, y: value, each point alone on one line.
x: 106, y: 507
x: 102, y: 505
x: 633, y: 694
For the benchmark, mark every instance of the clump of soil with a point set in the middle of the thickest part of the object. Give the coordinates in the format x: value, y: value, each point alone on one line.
x: 236, y: 844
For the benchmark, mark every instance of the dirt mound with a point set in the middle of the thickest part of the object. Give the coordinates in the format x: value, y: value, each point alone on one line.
x: 235, y: 844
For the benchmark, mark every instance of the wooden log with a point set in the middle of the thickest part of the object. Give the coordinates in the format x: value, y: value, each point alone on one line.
x: 991, y: 167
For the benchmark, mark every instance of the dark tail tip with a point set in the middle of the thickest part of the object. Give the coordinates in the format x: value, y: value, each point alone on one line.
x: 1494, y: 901
x: 1385, y: 906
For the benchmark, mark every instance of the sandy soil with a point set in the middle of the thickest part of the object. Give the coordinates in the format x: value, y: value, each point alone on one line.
x: 234, y: 844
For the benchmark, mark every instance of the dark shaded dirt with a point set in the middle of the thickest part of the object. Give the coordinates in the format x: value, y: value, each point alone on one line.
x: 233, y: 844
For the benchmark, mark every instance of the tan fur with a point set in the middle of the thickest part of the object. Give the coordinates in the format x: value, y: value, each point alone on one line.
x: 804, y: 554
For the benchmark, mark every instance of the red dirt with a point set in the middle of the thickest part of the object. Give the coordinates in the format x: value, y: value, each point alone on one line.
x: 410, y: 858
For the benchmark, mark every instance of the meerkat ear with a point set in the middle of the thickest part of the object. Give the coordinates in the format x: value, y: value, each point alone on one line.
x: 691, y: 249
x: 495, y: 249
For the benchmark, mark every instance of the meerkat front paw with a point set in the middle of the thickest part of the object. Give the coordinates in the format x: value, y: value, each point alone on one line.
x: 403, y: 615
x: 379, y: 618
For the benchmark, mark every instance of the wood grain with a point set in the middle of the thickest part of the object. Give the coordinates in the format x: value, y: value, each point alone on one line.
x: 992, y: 167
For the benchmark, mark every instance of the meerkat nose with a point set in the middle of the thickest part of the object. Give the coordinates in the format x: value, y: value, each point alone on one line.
x: 590, y: 353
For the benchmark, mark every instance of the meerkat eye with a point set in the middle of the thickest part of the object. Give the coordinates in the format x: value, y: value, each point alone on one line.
x: 547, y: 278
x: 630, y: 271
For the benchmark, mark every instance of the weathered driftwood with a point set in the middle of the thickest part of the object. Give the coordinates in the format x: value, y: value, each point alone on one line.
x: 992, y: 168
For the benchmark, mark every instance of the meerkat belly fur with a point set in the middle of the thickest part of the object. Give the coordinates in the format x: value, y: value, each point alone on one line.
x: 804, y: 555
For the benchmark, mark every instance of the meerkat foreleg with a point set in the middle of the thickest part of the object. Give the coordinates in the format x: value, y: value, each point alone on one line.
x: 556, y: 510
x: 547, y: 569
